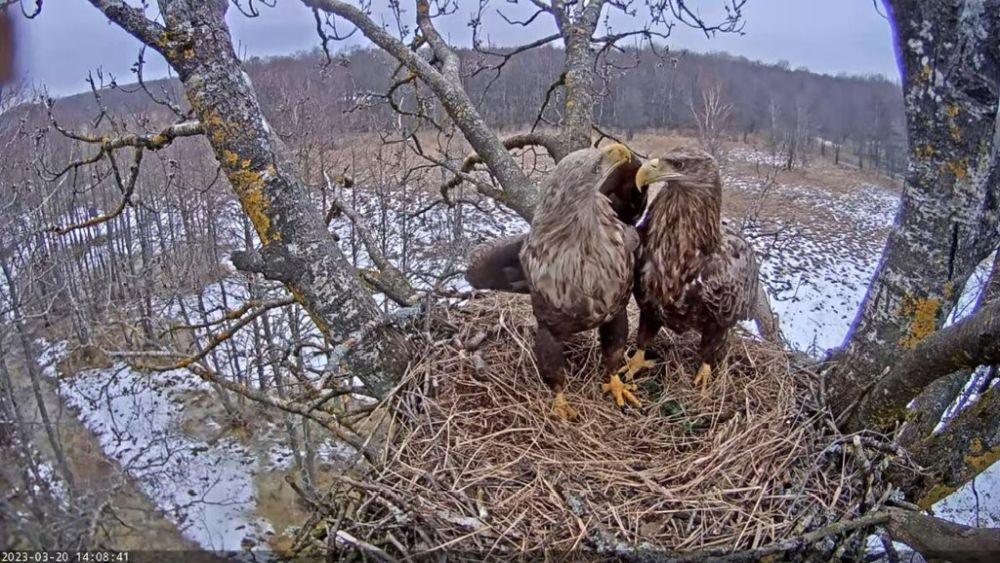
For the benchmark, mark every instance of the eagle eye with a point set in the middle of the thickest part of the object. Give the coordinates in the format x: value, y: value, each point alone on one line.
x: 678, y: 164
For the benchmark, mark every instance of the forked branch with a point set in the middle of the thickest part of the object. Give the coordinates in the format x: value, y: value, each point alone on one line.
x: 969, y: 343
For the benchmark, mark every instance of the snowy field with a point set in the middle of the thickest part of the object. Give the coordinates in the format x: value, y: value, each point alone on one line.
x: 206, y: 486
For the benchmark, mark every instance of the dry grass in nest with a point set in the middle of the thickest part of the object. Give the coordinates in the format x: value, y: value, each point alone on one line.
x: 488, y: 470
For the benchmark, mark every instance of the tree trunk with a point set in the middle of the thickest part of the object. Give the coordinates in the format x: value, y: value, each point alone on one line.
x: 579, y: 73
x: 947, y: 221
x: 298, y: 249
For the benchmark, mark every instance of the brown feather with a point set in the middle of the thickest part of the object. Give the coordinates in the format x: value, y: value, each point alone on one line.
x: 496, y: 265
x: 695, y: 272
x: 578, y: 259
x: 576, y: 256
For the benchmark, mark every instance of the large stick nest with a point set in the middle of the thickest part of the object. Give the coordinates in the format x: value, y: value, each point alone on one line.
x: 479, y: 467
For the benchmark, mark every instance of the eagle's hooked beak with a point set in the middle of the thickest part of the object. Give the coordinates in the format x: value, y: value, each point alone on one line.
x: 655, y: 170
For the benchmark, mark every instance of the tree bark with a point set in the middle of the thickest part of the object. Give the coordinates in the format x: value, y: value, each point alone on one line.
x: 578, y: 71
x: 298, y: 250
x: 947, y: 221
x: 931, y: 404
x: 971, y: 342
x: 969, y: 445
x: 938, y: 539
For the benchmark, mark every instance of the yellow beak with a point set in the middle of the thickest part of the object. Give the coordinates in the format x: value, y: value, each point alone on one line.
x: 655, y: 170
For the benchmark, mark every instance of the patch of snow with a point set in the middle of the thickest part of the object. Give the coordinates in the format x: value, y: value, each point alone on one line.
x: 754, y: 156
x: 206, y: 488
x: 973, y: 289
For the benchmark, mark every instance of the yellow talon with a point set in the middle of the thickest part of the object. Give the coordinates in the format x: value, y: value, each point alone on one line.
x: 561, y: 408
x: 637, y: 362
x: 703, y: 377
x: 621, y: 392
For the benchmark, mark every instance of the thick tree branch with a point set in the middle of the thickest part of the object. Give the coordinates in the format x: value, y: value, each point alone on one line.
x: 940, y: 540
x: 969, y: 445
x: 553, y: 146
x: 930, y: 405
x: 520, y: 192
x: 133, y: 21
x: 969, y: 343
x: 152, y: 141
x: 933, y: 402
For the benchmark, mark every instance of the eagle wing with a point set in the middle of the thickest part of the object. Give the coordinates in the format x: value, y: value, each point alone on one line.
x: 577, y: 257
x: 729, y: 279
x: 496, y: 265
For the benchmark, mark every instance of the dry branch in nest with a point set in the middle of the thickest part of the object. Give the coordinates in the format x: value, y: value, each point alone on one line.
x: 475, y: 466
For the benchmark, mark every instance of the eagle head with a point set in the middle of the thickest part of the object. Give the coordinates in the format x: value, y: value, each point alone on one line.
x: 686, y: 166
x: 615, y: 154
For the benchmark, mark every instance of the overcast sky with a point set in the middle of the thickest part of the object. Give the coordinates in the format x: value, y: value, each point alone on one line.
x: 71, y: 37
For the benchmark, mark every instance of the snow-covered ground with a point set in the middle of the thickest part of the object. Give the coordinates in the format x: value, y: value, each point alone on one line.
x: 199, y: 476
x: 817, y: 280
x: 205, y: 488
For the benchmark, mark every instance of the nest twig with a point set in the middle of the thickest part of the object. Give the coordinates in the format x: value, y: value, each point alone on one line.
x: 474, y: 464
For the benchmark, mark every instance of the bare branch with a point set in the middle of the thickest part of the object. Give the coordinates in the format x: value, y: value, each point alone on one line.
x: 127, y: 188
x: 971, y: 342
x: 552, y: 146
x: 520, y: 192
x: 388, y: 277
x: 134, y: 21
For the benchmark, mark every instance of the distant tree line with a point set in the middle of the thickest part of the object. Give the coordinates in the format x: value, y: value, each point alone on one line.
x: 856, y: 120
x: 852, y: 119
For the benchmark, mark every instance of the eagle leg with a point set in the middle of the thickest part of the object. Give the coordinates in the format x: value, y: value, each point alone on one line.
x: 613, y: 335
x: 621, y: 392
x: 649, y: 326
x: 561, y: 408
x: 551, y: 363
x: 713, y: 348
x: 635, y: 364
x: 703, y: 377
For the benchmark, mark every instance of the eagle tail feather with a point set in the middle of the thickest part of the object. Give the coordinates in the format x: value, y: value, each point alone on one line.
x: 497, y: 266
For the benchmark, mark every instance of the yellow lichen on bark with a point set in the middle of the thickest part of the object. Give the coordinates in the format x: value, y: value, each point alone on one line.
x: 979, y: 458
x: 216, y: 127
x: 957, y: 168
x: 951, y: 110
x: 922, y: 313
x: 230, y: 158
x: 249, y: 186
x: 936, y: 493
x: 924, y: 152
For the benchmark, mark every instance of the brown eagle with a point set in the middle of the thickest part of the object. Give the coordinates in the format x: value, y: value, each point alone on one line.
x: 497, y: 265
x: 576, y: 262
x: 694, y: 271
